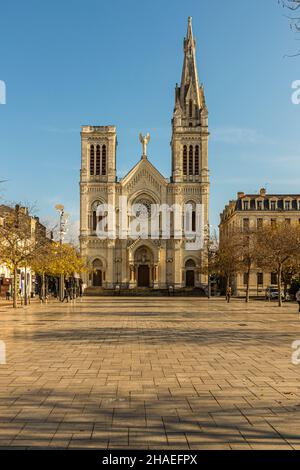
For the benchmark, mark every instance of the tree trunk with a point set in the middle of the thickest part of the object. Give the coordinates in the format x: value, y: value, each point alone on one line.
x: 43, y: 287
x: 279, y: 285
x: 227, y: 286
x: 15, y: 288
x: 248, y: 284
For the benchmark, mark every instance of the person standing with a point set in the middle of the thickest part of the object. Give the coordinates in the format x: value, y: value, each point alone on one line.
x: 228, y: 294
x: 66, y: 292
x: 298, y: 298
x: 80, y: 287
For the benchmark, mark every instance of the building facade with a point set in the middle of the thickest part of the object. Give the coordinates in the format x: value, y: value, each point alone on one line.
x: 253, y: 211
x: 147, y: 263
x: 26, y: 277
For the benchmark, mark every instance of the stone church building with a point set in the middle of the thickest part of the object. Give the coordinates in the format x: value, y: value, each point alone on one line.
x: 147, y: 263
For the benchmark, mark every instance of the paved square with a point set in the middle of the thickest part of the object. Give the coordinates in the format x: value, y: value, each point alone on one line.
x: 150, y: 373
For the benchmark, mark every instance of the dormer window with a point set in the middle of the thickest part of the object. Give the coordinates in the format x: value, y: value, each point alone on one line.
x: 287, y: 205
x: 246, y: 205
x: 273, y: 205
x: 259, y: 205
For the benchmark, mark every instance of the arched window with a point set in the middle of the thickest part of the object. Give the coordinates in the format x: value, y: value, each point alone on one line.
x: 194, y: 220
x: 184, y: 160
x: 98, y: 160
x: 197, y: 160
x: 191, y: 216
x: 191, y: 160
x: 104, y: 160
x: 94, y: 218
x: 92, y: 160
x: 190, y: 263
x: 94, y: 226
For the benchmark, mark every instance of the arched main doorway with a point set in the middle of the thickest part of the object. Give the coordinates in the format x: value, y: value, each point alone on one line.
x: 97, y: 273
x: 143, y: 260
x: 190, y: 266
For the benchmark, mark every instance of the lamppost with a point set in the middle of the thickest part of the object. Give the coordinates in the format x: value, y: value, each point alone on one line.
x: 208, y: 243
x: 118, y: 261
x: 169, y: 276
x: 63, y: 220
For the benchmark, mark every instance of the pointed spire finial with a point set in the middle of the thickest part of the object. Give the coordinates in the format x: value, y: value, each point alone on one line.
x: 189, y: 87
x: 189, y: 42
x: 190, y: 31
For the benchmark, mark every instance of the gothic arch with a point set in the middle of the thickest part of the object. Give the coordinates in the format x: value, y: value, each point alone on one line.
x: 147, y: 193
x: 98, y: 273
x: 195, y: 260
x: 149, y: 244
x: 98, y: 258
x: 190, y: 271
x: 92, y: 214
x: 95, y: 204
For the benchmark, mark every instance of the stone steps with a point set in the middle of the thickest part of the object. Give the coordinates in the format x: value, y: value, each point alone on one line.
x: 140, y: 292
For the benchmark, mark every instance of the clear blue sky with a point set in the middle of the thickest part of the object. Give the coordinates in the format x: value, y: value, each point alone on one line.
x: 68, y: 63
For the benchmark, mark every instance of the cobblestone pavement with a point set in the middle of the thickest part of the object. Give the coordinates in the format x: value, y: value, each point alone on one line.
x: 150, y: 373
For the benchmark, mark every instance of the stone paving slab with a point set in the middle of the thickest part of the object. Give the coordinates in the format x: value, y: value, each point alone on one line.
x: 151, y: 373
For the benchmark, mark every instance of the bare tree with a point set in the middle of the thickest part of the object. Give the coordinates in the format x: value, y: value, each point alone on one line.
x: 278, y: 247
x: 294, y: 16
x: 290, y: 272
x: 249, y: 254
x: 226, y: 261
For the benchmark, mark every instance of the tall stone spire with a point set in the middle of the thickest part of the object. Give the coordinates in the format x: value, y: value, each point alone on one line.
x: 189, y: 96
x: 190, y: 120
x: 189, y: 78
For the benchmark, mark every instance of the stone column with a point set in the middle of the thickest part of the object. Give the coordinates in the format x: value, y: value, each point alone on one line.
x: 132, y: 281
x: 155, y: 280
x: 110, y: 275
x: 178, y: 282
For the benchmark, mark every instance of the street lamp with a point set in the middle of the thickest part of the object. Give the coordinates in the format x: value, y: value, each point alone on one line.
x: 118, y: 286
x: 63, y: 221
x: 208, y: 241
x: 117, y: 261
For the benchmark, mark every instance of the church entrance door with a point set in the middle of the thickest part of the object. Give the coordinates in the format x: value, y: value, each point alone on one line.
x: 97, y: 278
x: 143, y: 276
x: 190, y: 279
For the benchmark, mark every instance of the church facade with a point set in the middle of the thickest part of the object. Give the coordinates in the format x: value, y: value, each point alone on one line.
x: 165, y: 262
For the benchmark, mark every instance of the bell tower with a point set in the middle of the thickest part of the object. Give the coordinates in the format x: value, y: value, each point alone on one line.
x: 190, y: 121
x: 98, y: 154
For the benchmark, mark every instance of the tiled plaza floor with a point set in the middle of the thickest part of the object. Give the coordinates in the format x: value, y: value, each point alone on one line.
x: 150, y: 373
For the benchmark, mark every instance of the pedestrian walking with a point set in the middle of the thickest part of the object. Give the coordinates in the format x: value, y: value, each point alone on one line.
x: 228, y: 294
x: 66, y: 292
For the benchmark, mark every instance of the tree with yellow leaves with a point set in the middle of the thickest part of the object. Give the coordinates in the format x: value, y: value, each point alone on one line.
x: 22, y: 239
x: 65, y: 260
x: 58, y: 260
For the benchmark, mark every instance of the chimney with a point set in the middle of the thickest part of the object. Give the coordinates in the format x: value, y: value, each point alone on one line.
x: 240, y: 195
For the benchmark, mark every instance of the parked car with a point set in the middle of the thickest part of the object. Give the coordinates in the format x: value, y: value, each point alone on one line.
x: 272, y: 294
